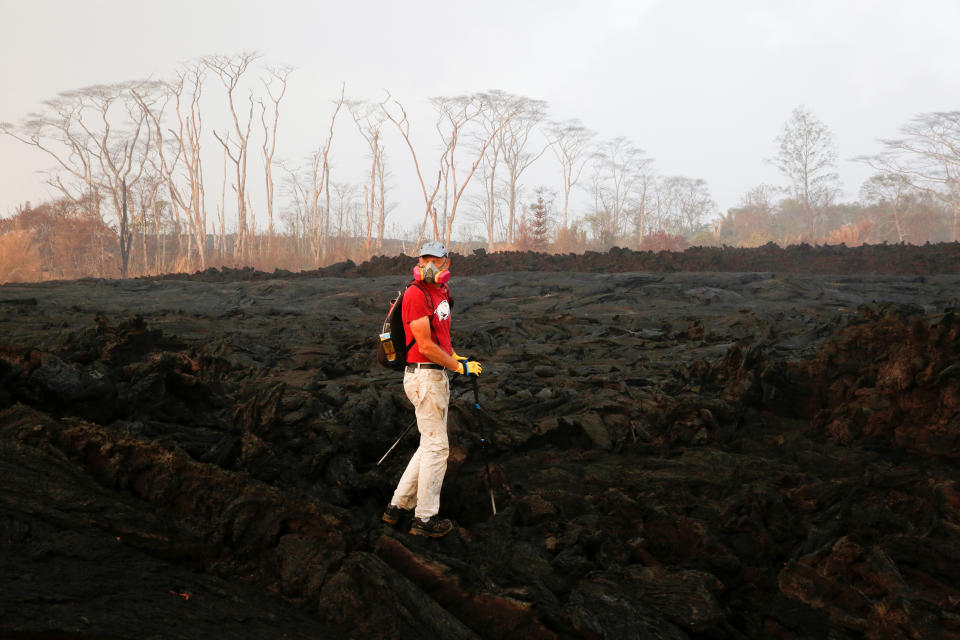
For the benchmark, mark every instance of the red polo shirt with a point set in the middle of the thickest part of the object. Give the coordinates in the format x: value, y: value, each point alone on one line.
x: 416, y: 305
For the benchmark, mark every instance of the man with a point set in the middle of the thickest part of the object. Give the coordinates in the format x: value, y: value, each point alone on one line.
x: 426, y: 316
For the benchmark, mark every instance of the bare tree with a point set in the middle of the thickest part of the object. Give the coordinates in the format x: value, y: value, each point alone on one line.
x: 488, y: 205
x: 222, y: 209
x: 230, y: 70
x: 520, y: 116
x: 490, y: 165
x: 97, y: 138
x: 278, y: 76
x: 454, y: 116
x: 188, y: 91
x: 620, y: 168
x: 894, y: 193
x: 319, y: 219
x: 685, y: 203
x: 510, y: 119
x: 928, y: 157
x: 147, y: 206
x: 369, y: 119
x: 644, y: 206
x: 126, y: 236
x: 382, y: 208
x: 570, y: 142
x: 178, y: 159
x: 806, y: 156
x: 311, y: 220
x: 399, y: 118
x: 344, y: 216
x: 295, y: 215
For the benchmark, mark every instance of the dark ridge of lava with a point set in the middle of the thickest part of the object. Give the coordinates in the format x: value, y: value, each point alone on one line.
x: 901, y: 259
x: 672, y: 455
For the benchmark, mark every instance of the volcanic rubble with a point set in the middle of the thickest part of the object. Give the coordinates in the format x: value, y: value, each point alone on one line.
x: 671, y: 455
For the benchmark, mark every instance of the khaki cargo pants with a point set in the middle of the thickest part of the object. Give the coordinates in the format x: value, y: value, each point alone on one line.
x: 429, y: 391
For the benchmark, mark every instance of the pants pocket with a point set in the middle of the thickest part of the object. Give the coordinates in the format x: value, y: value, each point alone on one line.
x: 413, y: 389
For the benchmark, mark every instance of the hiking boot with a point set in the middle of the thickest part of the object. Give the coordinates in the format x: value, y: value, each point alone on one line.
x: 392, y: 514
x: 432, y: 528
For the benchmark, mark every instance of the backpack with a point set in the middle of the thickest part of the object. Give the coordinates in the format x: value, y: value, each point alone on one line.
x: 393, y: 343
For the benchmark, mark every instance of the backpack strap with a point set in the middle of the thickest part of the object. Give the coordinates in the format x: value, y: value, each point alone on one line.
x: 429, y: 300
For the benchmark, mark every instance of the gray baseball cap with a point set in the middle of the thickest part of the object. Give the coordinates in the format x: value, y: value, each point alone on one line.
x: 433, y: 248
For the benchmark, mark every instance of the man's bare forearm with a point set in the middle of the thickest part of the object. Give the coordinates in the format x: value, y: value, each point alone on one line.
x: 432, y: 352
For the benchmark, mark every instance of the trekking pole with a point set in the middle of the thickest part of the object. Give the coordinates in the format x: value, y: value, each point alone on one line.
x: 409, y: 426
x: 483, y: 445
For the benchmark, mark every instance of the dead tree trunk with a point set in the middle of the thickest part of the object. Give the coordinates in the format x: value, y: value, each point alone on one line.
x: 231, y: 70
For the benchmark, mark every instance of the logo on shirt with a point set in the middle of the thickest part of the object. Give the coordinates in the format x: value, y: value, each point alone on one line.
x: 443, y: 310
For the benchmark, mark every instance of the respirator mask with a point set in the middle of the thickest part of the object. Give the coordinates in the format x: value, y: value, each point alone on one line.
x: 432, y: 272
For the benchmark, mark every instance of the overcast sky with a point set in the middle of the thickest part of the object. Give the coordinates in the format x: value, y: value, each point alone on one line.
x: 702, y: 86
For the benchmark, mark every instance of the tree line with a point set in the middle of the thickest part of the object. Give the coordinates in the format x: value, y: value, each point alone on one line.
x: 130, y: 162
x: 912, y: 197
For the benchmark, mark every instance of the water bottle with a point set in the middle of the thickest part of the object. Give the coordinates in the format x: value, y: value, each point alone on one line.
x: 388, y: 349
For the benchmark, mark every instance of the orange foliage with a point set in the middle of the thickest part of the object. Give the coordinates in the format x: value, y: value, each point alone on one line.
x: 19, y: 257
x: 69, y: 239
x: 663, y: 241
x: 570, y: 240
x: 851, y: 235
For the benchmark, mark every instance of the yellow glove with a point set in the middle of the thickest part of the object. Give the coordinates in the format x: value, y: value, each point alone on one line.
x: 469, y: 368
x: 457, y: 356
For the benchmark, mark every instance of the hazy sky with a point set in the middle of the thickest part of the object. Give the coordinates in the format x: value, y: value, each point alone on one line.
x: 702, y: 86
